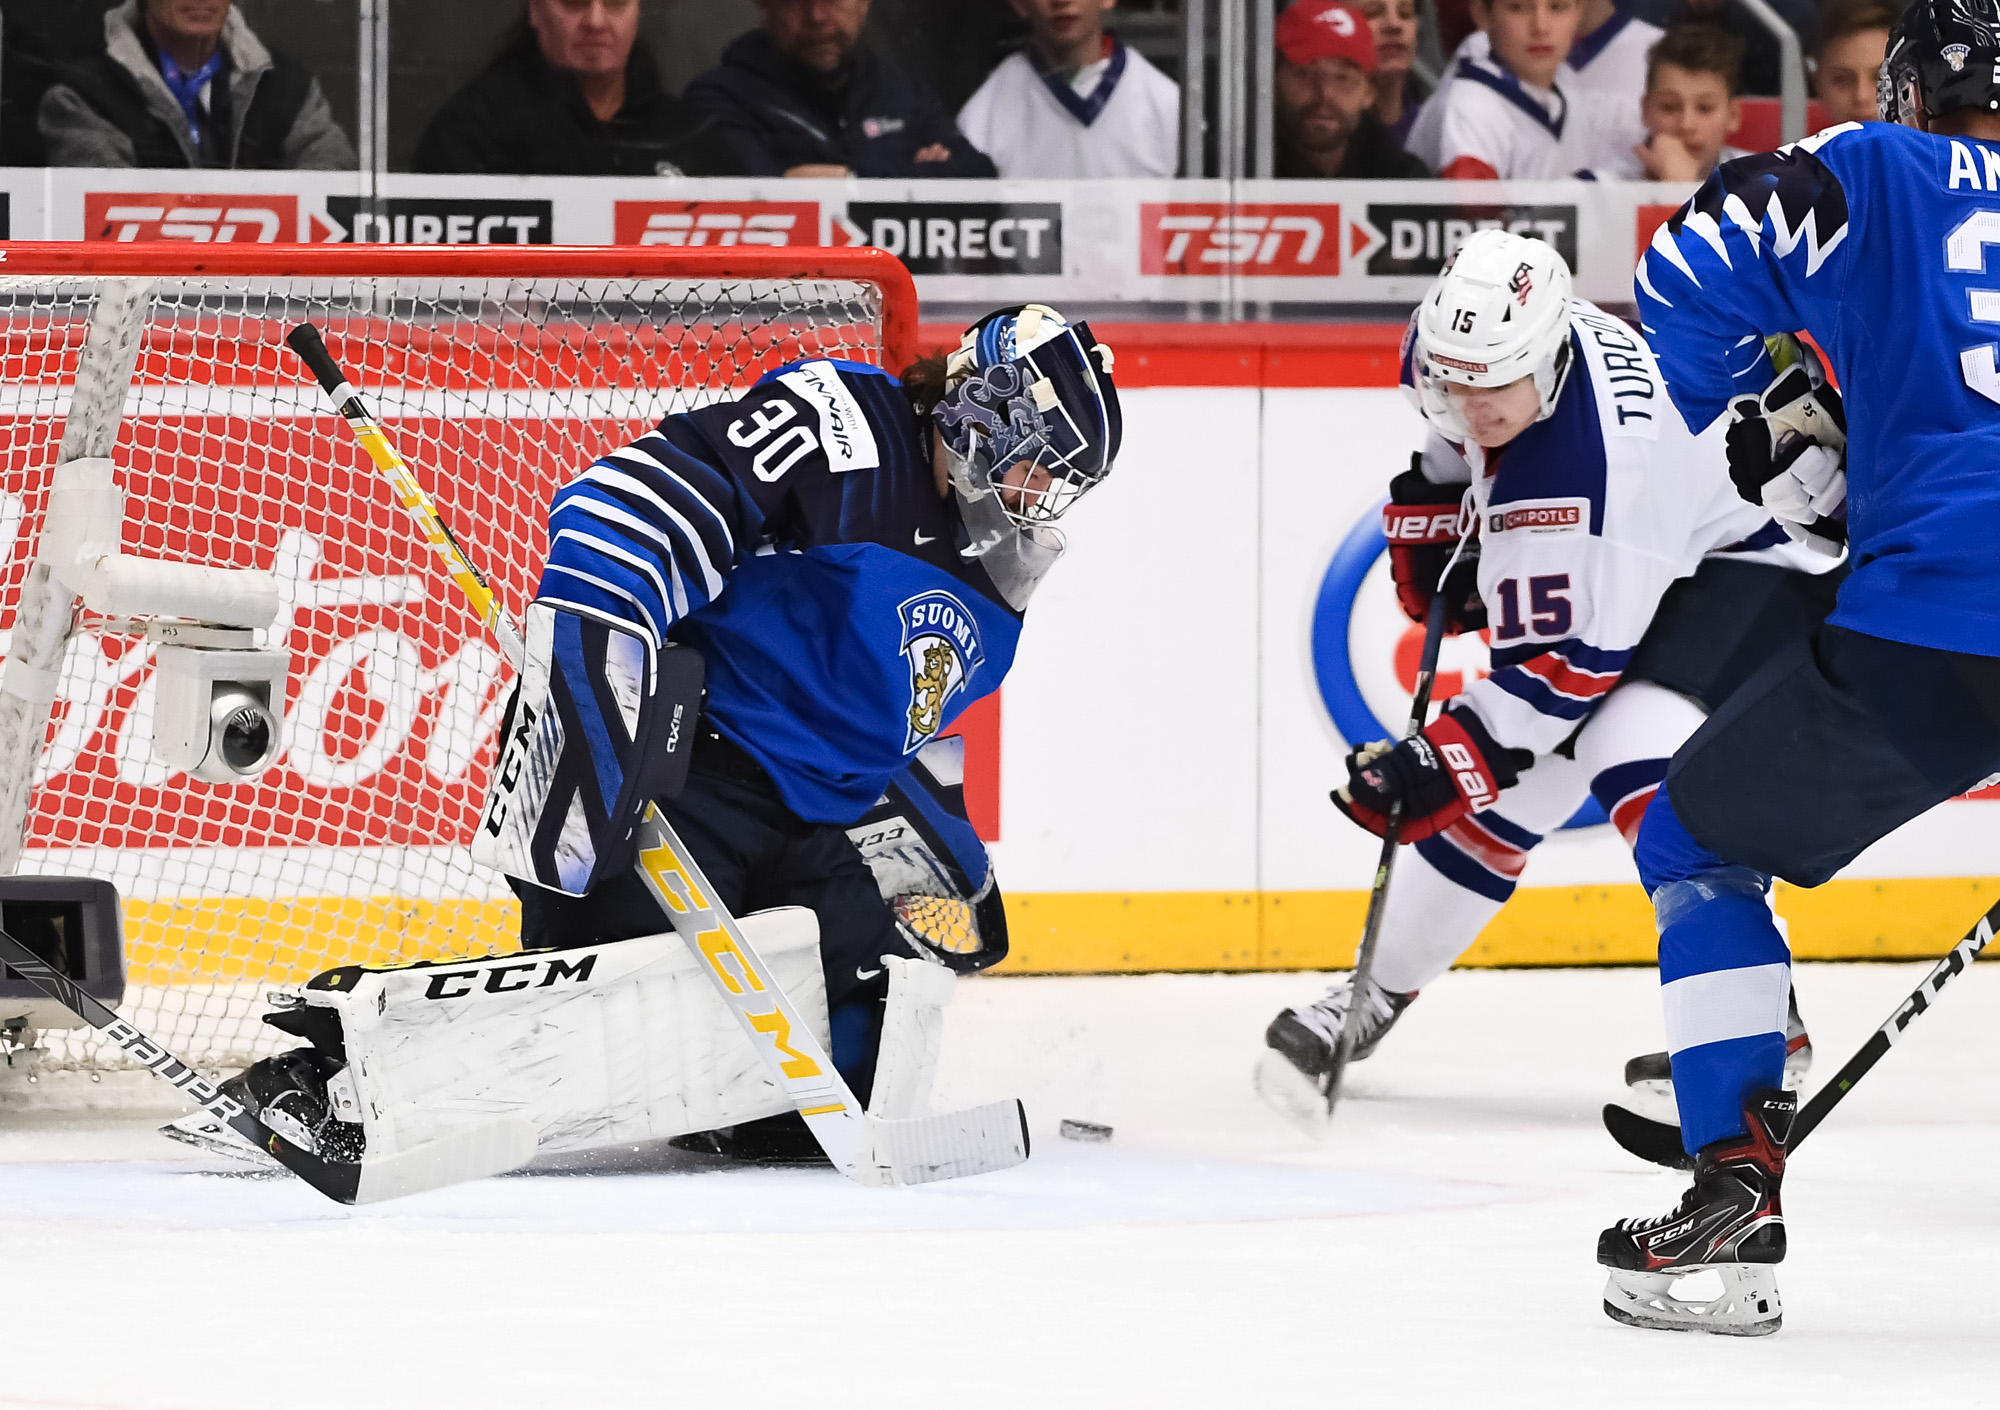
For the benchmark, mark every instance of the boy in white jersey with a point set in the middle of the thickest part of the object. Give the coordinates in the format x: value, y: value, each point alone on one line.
x: 1504, y: 118
x: 1076, y: 103
x: 1625, y: 585
x: 1601, y: 78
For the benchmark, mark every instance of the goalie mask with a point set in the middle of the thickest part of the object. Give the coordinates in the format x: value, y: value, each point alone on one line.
x: 1027, y: 387
x: 1499, y: 312
x: 1944, y: 55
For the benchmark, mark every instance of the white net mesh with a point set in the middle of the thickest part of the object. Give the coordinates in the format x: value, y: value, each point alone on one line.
x: 351, y: 849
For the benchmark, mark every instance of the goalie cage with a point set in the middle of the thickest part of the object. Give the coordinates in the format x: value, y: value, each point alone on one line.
x: 499, y: 372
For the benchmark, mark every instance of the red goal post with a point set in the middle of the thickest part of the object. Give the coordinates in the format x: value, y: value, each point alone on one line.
x: 499, y: 372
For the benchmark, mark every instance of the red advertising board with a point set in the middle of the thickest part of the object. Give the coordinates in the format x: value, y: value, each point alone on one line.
x: 716, y: 223
x: 145, y: 216
x: 1210, y: 238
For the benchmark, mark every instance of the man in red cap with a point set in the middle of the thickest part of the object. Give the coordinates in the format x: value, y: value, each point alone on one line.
x: 1325, y: 90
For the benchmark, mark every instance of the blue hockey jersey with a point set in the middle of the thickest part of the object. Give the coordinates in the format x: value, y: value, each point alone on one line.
x: 1874, y: 239
x: 796, y: 537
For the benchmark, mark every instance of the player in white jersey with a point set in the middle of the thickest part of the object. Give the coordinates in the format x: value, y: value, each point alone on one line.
x: 1076, y: 103
x: 1626, y: 587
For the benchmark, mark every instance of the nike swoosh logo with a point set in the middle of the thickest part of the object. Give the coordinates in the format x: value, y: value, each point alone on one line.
x: 924, y: 538
x: 866, y: 973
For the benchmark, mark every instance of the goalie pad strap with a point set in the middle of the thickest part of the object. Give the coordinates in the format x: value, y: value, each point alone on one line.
x: 601, y: 724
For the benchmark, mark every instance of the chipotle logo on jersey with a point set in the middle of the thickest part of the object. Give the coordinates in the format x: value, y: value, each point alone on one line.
x: 145, y: 216
x: 1539, y: 516
x: 716, y: 223
x: 1198, y: 238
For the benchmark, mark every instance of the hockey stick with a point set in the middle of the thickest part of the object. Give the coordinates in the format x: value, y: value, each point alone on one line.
x: 1660, y: 1141
x: 487, y: 1148
x: 869, y: 1149
x: 1392, y: 836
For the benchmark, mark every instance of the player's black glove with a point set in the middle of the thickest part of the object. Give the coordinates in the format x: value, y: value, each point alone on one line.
x: 1787, y: 454
x: 1447, y: 771
x: 1421, y: 523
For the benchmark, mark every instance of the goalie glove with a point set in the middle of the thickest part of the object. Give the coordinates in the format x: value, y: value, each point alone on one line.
x: 1422, y: 521
x: 1451, y: 769
x: 1788, y: 451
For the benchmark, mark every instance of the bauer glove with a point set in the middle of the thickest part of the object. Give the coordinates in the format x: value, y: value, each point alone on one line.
x: 1788, y: 454
x: 1421, y: 522
x: 1453, y: 768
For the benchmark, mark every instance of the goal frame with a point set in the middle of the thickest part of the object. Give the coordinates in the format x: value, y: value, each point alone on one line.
x: 862, y: 264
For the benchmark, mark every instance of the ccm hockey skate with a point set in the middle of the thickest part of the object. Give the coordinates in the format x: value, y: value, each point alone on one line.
x: 1292, y: 1077
x: 1729, y: 1222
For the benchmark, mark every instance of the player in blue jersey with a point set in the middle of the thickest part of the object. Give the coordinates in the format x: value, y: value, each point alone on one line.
x: 1863, y: 236
x: 849, y: 556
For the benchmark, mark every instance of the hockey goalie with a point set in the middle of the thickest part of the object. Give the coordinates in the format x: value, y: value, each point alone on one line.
x: 759, y: 618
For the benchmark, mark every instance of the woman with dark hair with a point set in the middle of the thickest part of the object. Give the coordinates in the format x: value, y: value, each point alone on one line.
x: 574, y: 93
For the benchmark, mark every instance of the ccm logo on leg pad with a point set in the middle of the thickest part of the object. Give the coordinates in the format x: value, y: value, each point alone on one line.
x: 509, y: 978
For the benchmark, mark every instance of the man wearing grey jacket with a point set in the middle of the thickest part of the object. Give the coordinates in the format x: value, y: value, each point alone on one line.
x: 184, y: 83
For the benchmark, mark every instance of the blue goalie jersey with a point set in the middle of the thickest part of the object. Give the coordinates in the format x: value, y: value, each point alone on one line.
x: 797, y: 538
x: 1880, y: 241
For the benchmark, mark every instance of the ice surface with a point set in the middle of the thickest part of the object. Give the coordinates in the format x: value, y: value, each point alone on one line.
x: 1436, y: 1250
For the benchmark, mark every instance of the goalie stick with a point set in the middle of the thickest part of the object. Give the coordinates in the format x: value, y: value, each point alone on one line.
x: 868, y: 1149
x: 484, y: 1148
x: 1660, y: 1141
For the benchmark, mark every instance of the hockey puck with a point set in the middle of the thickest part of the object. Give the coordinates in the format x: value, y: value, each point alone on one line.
x: 1073, y: 1130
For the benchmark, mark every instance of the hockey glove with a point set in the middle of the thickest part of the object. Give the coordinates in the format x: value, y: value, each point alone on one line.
x: 1788, y: 454
x: 1421, y: 522
x: 1453, y: 768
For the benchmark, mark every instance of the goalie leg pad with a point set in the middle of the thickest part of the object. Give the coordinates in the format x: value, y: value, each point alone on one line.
x: 601, y: 724
x: 611, y: 1043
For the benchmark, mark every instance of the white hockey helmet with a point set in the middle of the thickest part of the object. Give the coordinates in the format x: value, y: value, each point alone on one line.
x: 1499, y: 312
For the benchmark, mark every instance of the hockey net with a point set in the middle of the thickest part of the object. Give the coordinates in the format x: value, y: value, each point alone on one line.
x: 498, y: 374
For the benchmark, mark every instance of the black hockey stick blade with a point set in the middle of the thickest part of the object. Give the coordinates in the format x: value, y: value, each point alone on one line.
x: 1656, y: 1141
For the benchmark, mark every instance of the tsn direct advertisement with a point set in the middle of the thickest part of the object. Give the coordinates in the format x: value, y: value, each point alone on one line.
x: 1143, y: 241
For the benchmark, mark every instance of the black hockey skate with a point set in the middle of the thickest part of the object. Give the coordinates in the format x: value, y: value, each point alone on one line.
x: 289, y: 1094
x: 1729, y: 1222
x: 1293, y: 1076
x: 1647, y: 1124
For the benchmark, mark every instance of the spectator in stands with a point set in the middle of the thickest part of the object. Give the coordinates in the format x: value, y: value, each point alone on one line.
x: 1847, y: 54
x: 802, y: 96
x: 1076, y: 102
x: 1599, y: 82
x: 184, y: 83
x: 574, y: 94
x: 1399, y: 91
x: 1693, y: 77
x: 1325, y: 91
x: 1502, y: 116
